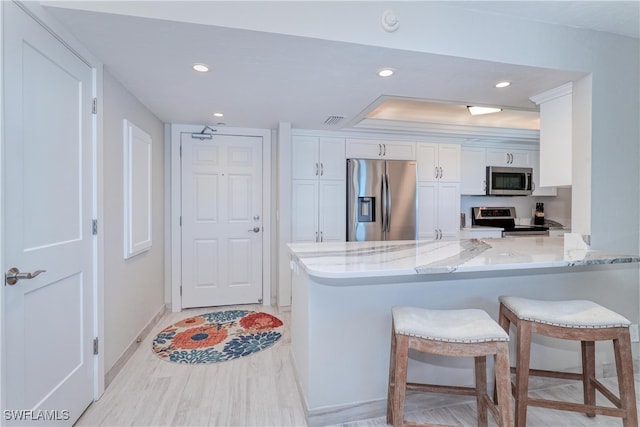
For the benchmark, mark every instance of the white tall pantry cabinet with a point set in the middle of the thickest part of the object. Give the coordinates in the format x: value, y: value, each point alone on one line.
x: 318, y: 186
x: 438, y: 191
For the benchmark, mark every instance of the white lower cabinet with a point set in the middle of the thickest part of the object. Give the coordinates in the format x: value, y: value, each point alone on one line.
x: 438, y: 210
x: 318, y: 211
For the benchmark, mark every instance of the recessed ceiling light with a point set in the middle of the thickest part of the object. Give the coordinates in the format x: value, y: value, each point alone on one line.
x: 386, y: 72
x: 201, y: 68
x: 503, y: 84
x: 218, y: 114
x: 476, y: 111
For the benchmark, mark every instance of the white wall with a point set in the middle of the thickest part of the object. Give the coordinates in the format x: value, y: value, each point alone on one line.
x: 133, y: 288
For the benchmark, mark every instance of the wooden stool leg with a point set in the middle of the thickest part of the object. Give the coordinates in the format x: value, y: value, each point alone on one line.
x: 503, y: 384
x: 481, y: 389
x: 504, y: 322
x: 523, y: 350
x: 624, y: 368
x: 400, y: 382
x: 589, y: 373
x: 392, y: 377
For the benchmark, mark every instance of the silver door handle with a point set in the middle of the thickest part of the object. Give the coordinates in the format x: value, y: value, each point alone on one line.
x: 12, y: 276
x: 316, y: 168
x: 321, y: 169
x: 384, y: 149
x: 255, y: 230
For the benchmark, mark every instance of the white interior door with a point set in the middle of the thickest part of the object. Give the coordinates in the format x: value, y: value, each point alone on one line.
x: 47, y: 219
x: 221, y: 220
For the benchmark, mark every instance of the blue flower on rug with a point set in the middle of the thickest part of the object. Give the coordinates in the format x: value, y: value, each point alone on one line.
x: 247, y: 344
x: 222, y: 316
x: 208, y: 355
x: 218, y: 337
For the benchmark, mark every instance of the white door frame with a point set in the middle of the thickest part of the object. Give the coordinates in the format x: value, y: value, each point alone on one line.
x: 175, y: 255
x: 39, y: 14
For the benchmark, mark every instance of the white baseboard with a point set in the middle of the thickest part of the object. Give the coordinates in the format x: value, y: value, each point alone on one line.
x: 126, y: 355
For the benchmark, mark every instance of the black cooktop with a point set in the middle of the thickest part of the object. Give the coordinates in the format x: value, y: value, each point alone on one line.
x: 501, y: 218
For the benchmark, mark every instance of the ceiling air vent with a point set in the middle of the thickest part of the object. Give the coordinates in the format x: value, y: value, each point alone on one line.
x: 333, y: 120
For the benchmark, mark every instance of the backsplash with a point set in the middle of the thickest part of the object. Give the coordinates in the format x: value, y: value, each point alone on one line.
x: 557, y: 208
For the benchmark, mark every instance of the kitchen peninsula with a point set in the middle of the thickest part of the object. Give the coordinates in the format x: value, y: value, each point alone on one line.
x: 343, y: 294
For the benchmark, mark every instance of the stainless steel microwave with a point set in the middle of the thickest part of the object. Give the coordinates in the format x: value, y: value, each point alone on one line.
x: 509, y: 181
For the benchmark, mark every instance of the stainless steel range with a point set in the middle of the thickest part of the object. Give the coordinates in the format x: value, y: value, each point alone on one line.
x: 505, y: 217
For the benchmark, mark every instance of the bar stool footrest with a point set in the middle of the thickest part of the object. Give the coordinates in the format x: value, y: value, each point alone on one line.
x: 573, y: 376
x: 447, y: 389
x: 552, y: 374
x: 576, y: 407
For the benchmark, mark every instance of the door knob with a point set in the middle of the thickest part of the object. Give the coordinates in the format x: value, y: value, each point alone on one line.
x: 12, y: 276
x: 255, y: 230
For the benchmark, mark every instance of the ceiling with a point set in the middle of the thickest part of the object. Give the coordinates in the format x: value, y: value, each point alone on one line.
x: 259, y: 79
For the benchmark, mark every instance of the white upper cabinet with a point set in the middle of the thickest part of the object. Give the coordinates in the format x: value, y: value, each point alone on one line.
x: 380, y: 149
x: 539, y: 190
x: 556, y: 111
x: 509, y: 157
x: 317, y: 157
x: 438, y: 162
x: 473, y: 173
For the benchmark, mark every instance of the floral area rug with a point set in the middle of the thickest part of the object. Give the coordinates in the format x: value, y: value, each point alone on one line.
x: 217, y: 337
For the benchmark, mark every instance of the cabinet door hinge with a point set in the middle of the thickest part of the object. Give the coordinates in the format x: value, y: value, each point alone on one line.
x: 94, y: 106
x: 95, y: 345
x: 94, y: 227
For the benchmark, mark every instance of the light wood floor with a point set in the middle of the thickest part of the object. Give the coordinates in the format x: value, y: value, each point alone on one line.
x: 260, y: 390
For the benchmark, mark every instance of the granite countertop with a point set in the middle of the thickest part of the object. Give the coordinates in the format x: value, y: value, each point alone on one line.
x: 405, y: 258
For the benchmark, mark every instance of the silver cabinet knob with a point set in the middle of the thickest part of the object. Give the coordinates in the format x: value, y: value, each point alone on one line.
x: 12, y: 276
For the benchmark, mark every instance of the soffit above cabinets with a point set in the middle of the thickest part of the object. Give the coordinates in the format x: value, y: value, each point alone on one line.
x: 453, y: 119
x: 415, y: 110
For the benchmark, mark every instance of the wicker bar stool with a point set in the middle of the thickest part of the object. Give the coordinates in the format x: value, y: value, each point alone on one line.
x: 458, y: 333
x: 577, y: 320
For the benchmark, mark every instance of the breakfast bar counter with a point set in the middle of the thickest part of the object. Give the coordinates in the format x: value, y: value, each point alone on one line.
x: 342, y: 294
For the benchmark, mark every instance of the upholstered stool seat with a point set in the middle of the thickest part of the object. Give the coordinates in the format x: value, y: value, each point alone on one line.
x: 577, y: 320
x: 459, y: 333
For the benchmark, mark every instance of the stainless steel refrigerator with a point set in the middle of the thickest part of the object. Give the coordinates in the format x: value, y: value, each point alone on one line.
x: 381, y: 200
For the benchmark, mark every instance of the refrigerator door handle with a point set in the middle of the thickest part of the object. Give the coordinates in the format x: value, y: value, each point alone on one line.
x: 383, y: 198
x: 386, y: 177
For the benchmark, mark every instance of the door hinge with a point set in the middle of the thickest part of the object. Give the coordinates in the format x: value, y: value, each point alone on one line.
x: 181, y: 151
x: 95, y: 345
x: 94, y: 106
x: 180, y: 220
x: 94, y: 227
x: 180, y: 290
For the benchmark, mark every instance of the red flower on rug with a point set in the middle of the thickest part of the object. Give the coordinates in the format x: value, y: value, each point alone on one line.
x: 260, y: 321
x: 202, y: 336
x: 192, y: 321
